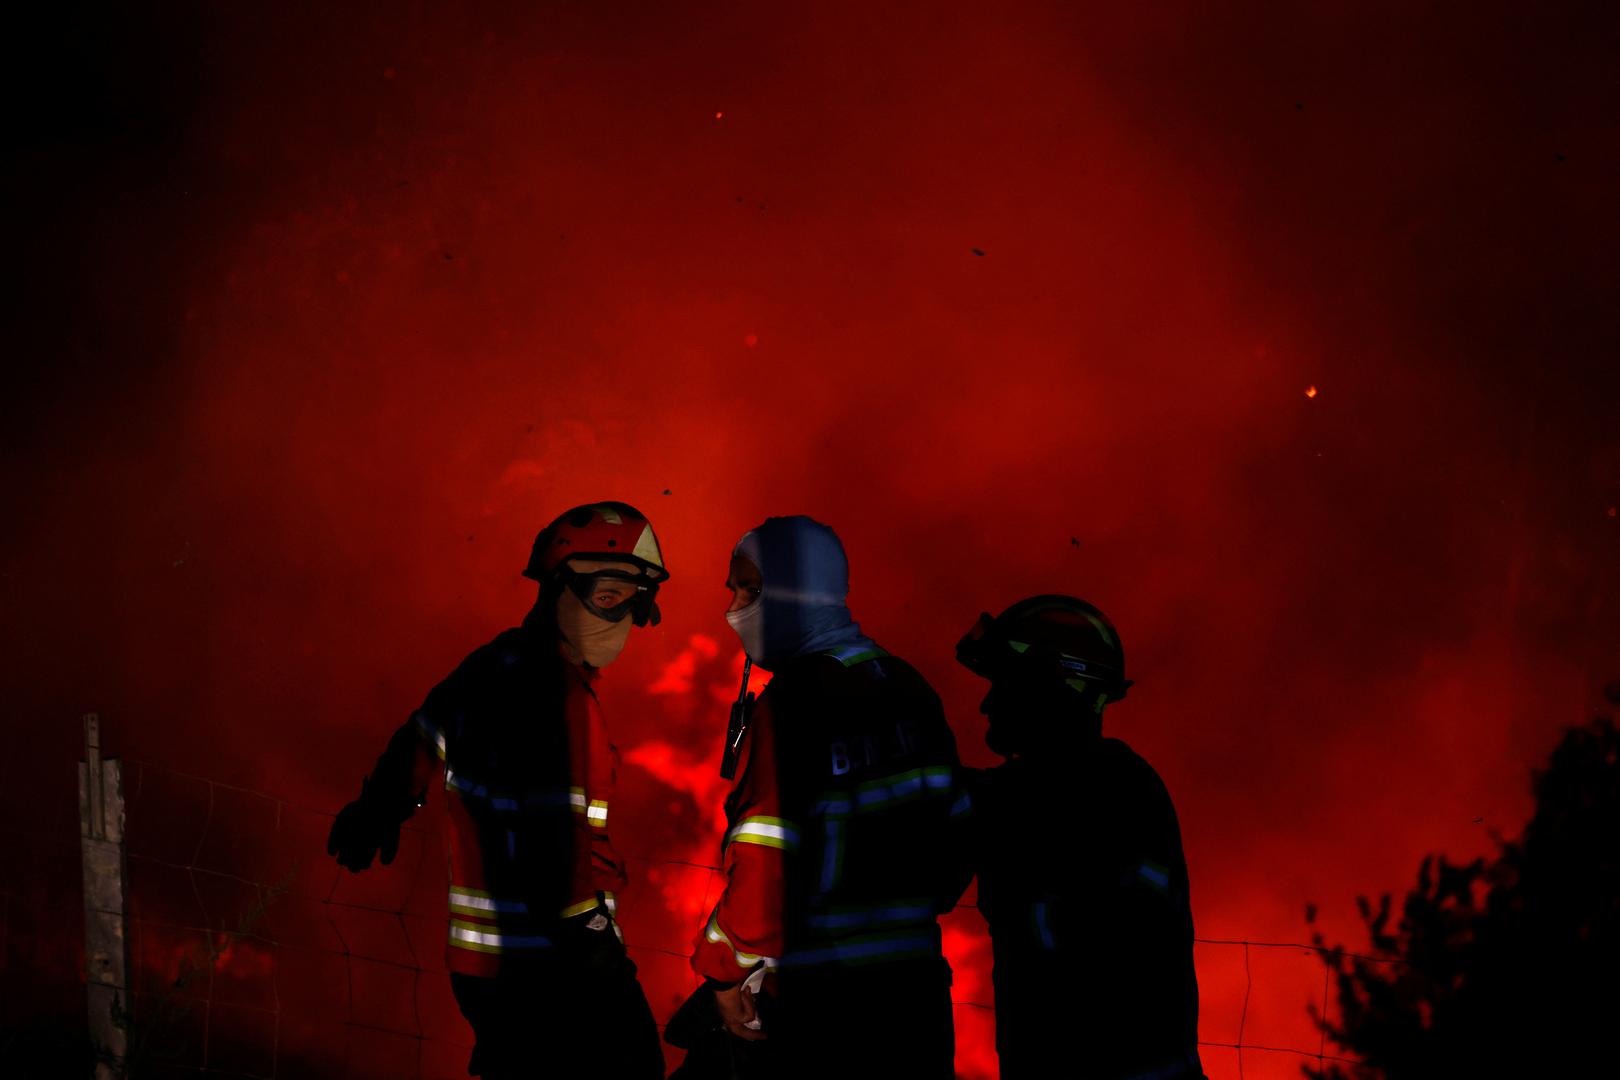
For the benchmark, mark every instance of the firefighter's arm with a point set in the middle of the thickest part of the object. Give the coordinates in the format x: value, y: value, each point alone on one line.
x: 745, y: 931
x: 368, y: 827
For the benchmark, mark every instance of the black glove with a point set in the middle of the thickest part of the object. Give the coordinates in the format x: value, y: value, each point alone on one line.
x: 363, y: 830
x: 696, y: 1018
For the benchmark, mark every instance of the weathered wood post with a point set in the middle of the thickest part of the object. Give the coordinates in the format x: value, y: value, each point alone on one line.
x: 106, y: 944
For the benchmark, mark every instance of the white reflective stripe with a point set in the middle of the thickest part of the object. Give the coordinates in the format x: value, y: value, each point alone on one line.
x: 461, y: 898
x: 612, y: 904
x: 576, y: 798
x: 467, y: 935
x: 772, y: 832
x: 596, y: 812
x: 713, y: 933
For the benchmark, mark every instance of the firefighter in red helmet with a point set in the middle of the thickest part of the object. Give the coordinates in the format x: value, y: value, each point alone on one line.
x: 1081, y: 874
x: 536, y: 961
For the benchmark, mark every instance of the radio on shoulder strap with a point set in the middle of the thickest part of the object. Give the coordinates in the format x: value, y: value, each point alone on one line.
x: 738, y: 725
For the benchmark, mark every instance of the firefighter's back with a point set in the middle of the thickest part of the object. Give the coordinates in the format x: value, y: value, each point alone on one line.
x: 870, y: 773
x: 1084, y: 885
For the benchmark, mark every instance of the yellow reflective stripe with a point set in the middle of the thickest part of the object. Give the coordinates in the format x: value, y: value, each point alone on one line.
x: 478, y: 903
x: 464, y: 935
x: 429, y: 732
x: 765, y: 836
x: 767, y: 831
x: 595, y: 810
x: 580, y: 908
x: 713, y: 933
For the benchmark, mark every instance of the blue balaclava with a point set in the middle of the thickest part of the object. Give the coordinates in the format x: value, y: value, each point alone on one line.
x: 804, y: 579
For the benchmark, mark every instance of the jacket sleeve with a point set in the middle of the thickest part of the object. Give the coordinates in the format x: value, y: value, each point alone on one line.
x: 414, y: 755
x: 745, y: 929
x: 957, y: 865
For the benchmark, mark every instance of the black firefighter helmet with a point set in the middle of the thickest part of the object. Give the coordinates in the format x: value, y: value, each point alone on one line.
x: 1044, y: 644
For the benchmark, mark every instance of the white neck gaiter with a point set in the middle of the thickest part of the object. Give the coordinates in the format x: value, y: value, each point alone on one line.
x: 586, y: 638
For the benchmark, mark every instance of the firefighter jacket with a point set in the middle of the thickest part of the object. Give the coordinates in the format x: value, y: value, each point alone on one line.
x: 1084, y: 886
x: 528, y: 775
x: 842, y: 843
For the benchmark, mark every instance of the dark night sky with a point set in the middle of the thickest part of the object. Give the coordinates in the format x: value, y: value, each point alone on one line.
x: 315, y: 318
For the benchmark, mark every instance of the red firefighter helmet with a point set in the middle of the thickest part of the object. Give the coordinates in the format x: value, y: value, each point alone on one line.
x: 604, y: 531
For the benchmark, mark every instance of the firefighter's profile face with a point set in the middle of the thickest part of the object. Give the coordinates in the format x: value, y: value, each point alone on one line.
x: 744, y: 582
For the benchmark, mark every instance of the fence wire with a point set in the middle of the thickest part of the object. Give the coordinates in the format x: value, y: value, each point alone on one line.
x: 255, y: 956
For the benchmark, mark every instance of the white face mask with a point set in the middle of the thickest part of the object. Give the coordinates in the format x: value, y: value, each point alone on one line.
x: 587, y: 638
x: 750, y: 627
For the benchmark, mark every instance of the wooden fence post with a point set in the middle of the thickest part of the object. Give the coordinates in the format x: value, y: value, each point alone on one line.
x: 106, y: 943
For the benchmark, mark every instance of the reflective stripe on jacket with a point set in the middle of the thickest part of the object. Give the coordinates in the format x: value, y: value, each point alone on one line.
x: 528, y: 773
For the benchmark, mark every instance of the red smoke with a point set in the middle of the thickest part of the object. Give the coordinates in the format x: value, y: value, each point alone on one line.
x: 1018, y: 301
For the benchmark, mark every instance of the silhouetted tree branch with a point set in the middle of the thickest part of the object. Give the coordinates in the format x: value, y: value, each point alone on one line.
x: 1508, y: 966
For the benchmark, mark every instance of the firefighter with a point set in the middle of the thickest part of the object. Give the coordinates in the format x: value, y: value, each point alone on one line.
x: 822, y: 955
x: 1081, y: 874
x: 536, y: 960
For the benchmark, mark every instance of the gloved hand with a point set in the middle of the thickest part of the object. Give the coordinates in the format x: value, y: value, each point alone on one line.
x: 739, y: 1013
x: 363, y: 830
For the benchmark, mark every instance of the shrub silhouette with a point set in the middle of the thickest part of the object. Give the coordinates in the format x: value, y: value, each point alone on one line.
x: 1508, y: 966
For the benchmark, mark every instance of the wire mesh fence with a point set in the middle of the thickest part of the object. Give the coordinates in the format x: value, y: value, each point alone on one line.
x: 254, y: 955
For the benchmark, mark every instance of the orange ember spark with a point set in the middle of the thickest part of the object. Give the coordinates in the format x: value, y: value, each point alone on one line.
x: 718, y: 115
x: 1310, y: 391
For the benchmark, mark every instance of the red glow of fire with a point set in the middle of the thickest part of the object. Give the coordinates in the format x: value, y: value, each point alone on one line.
x: 699, y: 777
x: 676, y: 678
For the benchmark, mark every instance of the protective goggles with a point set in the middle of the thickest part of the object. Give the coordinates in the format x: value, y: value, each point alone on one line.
x: 614, y: 594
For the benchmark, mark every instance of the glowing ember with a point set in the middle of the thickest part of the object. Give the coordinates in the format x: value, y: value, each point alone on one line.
x: 1310, y: 391
x: 718, y: 115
